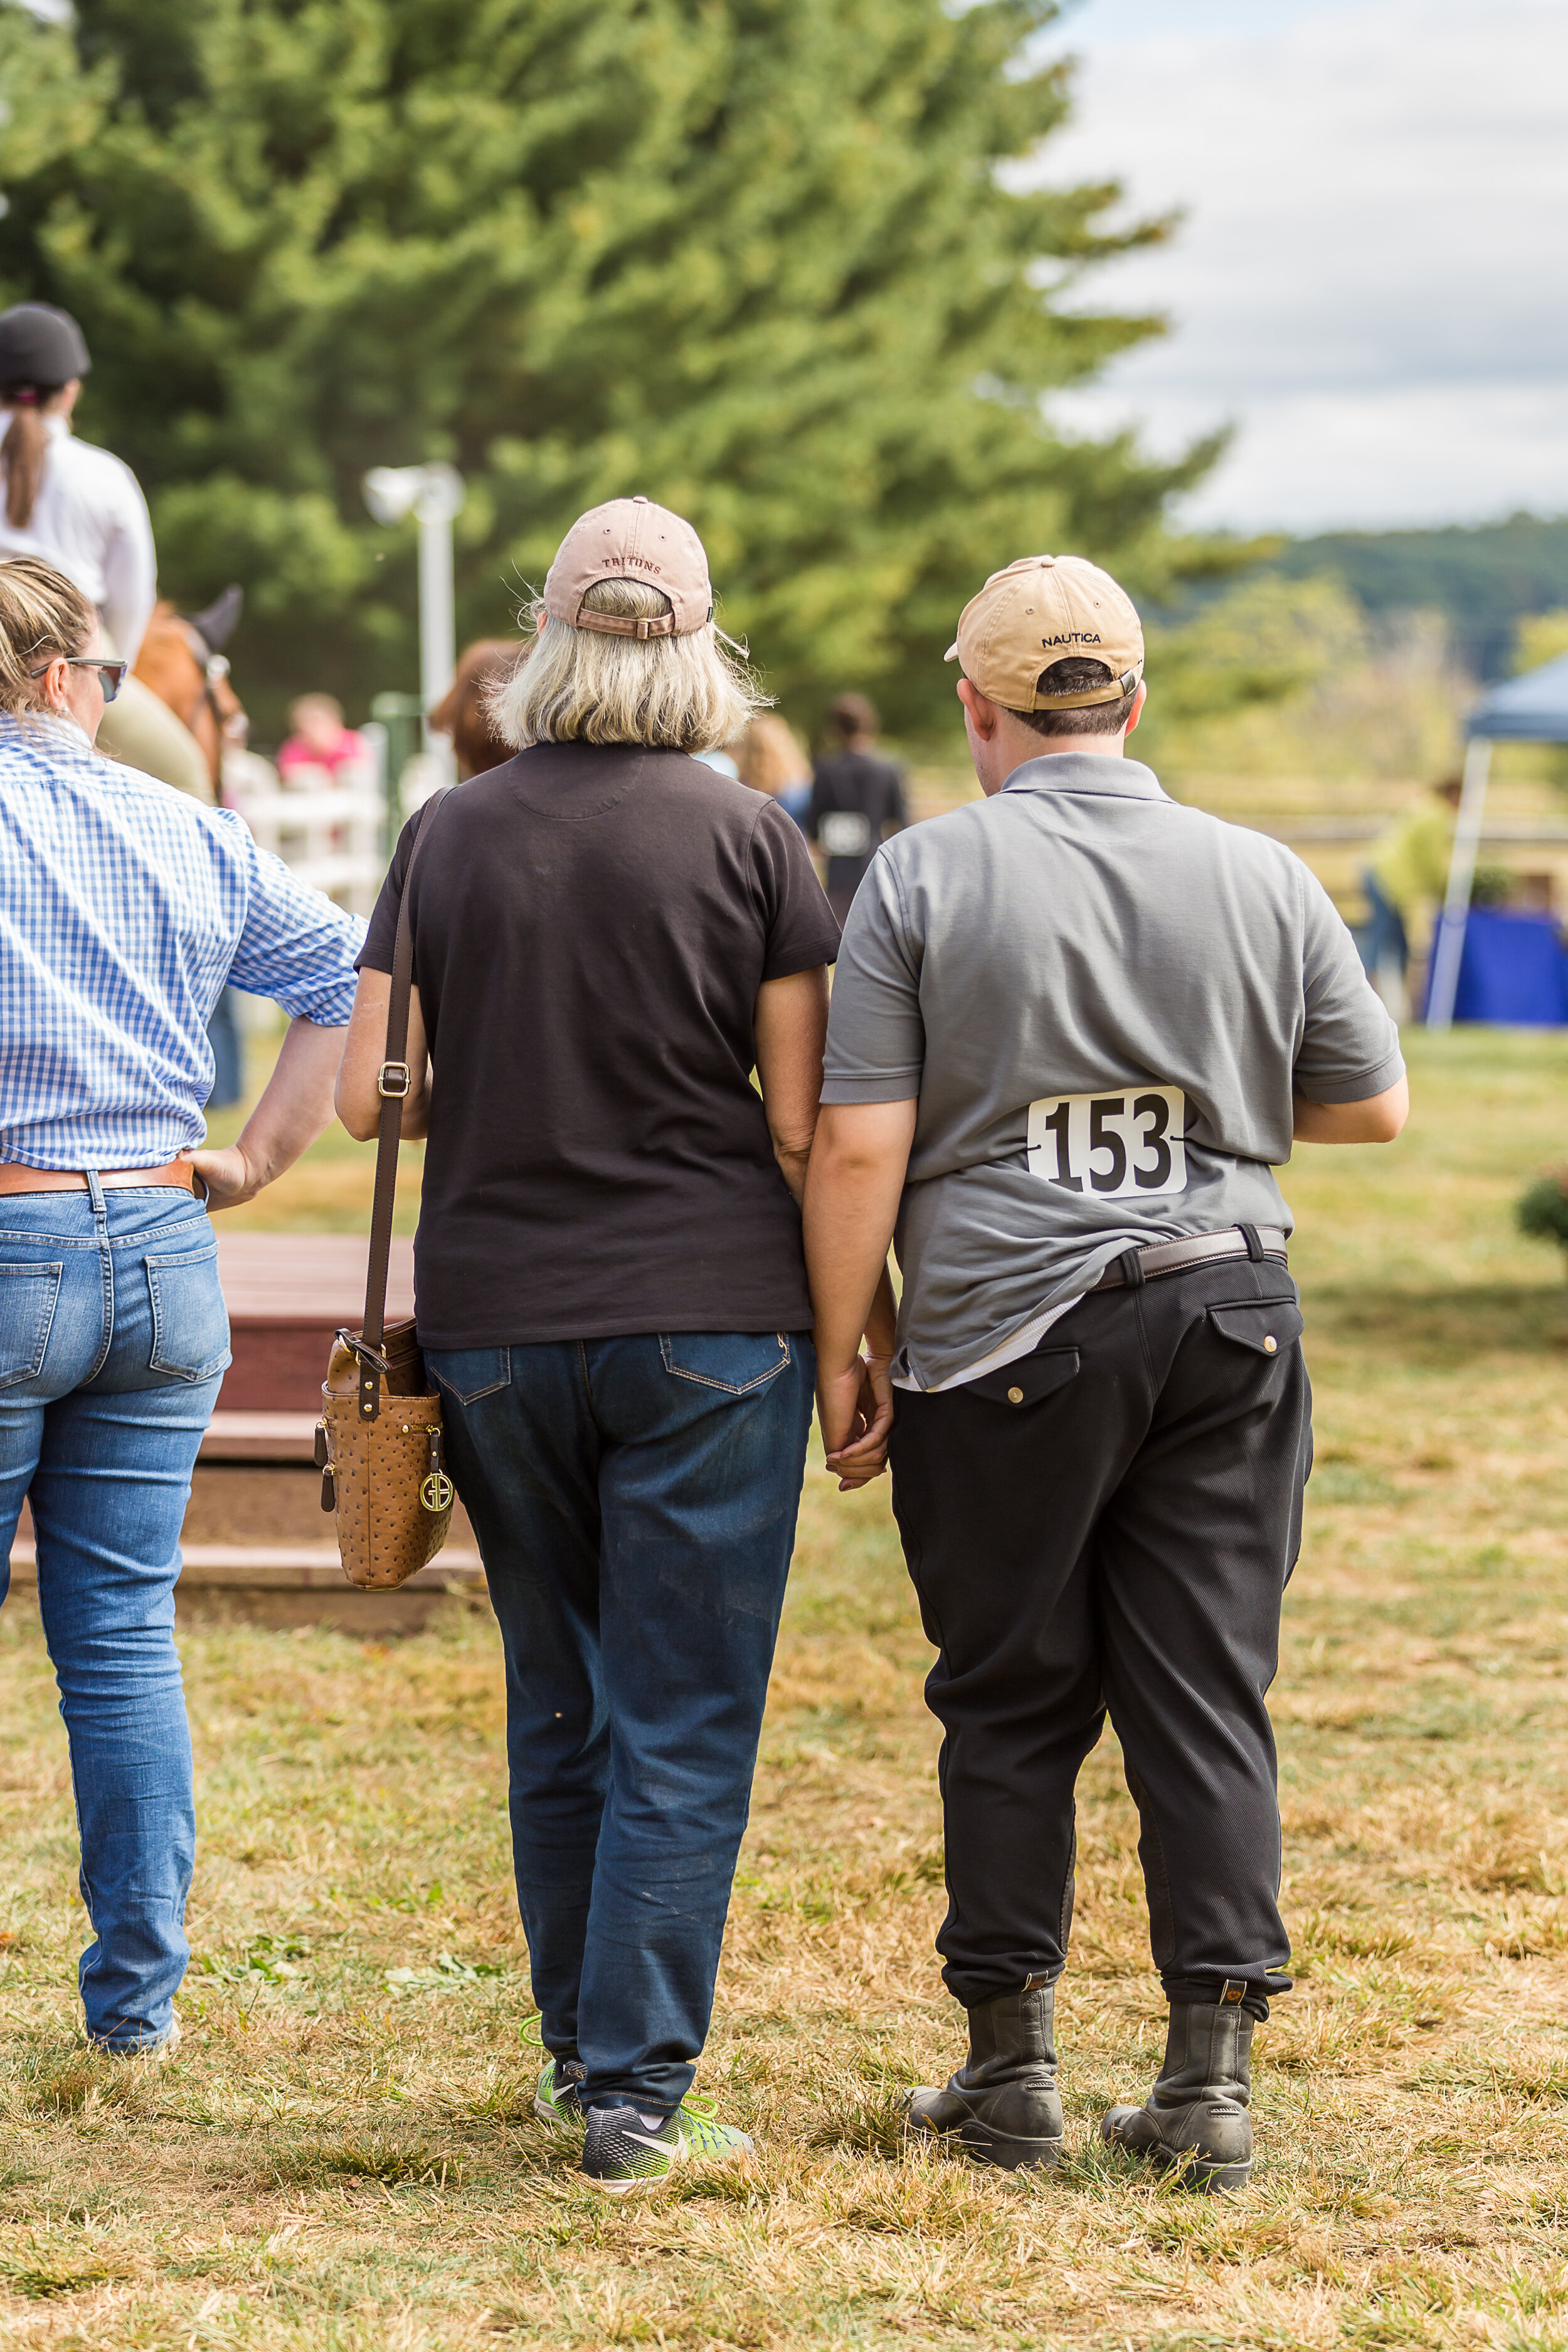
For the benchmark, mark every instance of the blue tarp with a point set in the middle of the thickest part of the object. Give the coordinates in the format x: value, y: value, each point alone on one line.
x: 1529, y: 709
x: 1513, y: 970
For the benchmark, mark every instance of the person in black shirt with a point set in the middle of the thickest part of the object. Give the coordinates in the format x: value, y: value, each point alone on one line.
x: 608, y: 938
x: 856, y: 800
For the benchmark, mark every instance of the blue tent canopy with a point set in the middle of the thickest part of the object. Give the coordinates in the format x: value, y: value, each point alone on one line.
x: 1529, y: 709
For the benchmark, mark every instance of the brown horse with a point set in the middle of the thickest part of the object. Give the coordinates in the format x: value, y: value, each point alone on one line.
x: 182, y: 663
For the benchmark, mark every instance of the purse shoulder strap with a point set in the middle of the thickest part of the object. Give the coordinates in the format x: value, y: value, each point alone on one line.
x: 393, y: 1083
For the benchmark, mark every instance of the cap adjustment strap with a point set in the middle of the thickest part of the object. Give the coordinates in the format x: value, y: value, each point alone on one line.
x: 620, y: 625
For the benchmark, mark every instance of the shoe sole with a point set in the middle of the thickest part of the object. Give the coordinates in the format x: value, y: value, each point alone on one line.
x: 986, y: 2146
x: 1204, y: 2179
x: 1207, y: 2179
x: 645, y: 2183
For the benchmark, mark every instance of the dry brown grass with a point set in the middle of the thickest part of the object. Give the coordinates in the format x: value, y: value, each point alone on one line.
x: 337, y: 2165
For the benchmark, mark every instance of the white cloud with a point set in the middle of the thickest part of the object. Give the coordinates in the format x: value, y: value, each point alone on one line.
x: 1369, y: 282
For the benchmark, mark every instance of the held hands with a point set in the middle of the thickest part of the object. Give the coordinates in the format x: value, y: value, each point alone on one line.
x: 855, y: 1409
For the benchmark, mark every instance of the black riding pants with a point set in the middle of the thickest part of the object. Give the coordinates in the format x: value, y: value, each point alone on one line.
x: 1119, y: 1540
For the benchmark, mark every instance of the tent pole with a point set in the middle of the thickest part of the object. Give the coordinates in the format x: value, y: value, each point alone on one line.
x: 1448, y: 943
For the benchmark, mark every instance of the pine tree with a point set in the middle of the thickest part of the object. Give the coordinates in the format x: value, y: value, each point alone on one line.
x: 754, y: 257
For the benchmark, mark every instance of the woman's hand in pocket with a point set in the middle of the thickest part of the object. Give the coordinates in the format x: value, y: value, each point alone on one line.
x: 228, y: 1176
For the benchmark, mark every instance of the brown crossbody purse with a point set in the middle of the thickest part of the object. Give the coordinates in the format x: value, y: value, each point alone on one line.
x: 378, y: 1442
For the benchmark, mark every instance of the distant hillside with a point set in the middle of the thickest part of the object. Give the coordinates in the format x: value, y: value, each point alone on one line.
x: 1481, y: 579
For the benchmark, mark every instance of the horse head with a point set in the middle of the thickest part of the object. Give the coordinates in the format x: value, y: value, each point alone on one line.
x: 182, y: 662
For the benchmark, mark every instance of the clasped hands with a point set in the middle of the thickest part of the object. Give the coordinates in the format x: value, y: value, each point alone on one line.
x: 855, y: 1405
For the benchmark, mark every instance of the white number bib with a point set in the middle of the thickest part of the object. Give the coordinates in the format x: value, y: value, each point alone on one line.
x: 1111, y: 1143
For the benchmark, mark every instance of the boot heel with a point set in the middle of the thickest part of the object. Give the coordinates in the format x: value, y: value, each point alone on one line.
x: 1005, y: 2150
x: 1212, y: 2179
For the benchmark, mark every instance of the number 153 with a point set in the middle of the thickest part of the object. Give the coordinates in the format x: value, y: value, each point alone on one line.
x: 1111, y: 1143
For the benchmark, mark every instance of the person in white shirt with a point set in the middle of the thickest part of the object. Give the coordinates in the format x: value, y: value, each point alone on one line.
x: 74, y: 506
x: 81, y: 509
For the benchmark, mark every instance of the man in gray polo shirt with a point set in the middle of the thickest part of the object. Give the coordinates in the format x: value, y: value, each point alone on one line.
x: 1075, y: 1026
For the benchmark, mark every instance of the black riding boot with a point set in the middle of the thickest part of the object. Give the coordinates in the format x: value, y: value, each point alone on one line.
x: 1003, y: 2106
x: 1195, y: 2115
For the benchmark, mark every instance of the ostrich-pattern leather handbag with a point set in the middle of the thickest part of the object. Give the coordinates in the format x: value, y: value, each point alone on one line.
x: 378, y: 1442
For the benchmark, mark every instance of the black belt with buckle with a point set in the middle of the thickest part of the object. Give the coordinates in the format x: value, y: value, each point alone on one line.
x: 1199, y: 1249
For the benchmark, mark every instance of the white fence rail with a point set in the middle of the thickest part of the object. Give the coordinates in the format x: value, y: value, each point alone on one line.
x: 330, y: 834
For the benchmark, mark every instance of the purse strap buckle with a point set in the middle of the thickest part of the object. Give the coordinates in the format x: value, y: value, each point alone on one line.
x: 393, y: 1081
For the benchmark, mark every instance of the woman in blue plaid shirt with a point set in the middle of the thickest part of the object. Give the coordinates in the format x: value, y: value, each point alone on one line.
x: 124, y: 909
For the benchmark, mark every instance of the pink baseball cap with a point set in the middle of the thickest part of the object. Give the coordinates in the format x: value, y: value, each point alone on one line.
x: 631, y: 539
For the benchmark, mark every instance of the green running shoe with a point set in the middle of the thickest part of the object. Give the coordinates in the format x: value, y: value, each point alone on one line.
x: 557, y: 2101
x: 626, y: 2150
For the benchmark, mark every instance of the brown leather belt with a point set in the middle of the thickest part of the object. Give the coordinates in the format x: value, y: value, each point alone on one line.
x: 14, y: 1178
x: 1198, y: 1249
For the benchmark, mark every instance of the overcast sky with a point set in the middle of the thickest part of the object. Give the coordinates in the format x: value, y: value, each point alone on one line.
x: 1371, y: 280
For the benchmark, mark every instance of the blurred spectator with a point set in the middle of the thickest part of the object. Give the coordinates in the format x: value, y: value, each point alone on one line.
x: 464, y: 710
x: 856, y: 800
x: 772, y: 760
x: 1405, y: 883
x: 322, y: 748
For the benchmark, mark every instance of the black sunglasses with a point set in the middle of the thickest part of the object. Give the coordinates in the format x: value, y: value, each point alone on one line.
x: 110, y: 674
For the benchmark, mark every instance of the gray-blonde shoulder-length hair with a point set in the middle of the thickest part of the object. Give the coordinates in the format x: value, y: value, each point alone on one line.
x: 691, y: 693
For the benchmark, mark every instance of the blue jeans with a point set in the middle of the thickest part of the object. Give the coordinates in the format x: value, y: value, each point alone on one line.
x: 634, y: 1500
x: 114, y: 1340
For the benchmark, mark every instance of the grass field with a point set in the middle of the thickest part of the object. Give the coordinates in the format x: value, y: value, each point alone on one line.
x: 341, y: 2156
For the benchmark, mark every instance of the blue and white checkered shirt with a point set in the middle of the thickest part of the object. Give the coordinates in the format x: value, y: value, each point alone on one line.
x: 124, y: 906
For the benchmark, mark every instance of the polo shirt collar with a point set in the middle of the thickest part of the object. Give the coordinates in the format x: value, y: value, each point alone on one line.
x: 1089, y: 773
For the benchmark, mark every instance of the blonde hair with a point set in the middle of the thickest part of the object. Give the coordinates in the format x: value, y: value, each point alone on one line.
x: 42, y: 615
x: 691, y: 693
x: 769, y: 755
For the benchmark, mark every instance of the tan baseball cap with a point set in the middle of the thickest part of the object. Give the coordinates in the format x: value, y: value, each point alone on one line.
x: 1046, y: 609
x: 631, y: 539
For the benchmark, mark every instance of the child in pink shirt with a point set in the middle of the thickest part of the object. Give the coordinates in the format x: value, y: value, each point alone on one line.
x: 321, y: 741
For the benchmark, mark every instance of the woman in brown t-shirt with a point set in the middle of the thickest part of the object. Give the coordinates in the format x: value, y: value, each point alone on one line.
x: 609, y: 936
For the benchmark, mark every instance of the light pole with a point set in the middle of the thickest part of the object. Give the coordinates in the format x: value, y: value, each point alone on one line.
x: 433, y: 494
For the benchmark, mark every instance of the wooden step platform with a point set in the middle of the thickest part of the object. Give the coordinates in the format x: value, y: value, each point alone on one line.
x: 257, y: 1544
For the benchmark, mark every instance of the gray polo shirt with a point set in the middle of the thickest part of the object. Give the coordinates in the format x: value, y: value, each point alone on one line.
x: 1104, y: 1002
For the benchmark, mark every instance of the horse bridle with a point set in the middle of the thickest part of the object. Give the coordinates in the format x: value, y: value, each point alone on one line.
x: 214, y: 668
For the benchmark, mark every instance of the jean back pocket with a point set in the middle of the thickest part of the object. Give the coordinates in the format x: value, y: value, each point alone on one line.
x: 469, y: 1373
x: 189, y: 1321
x: 735, y: 1363
x: 28, y: 1295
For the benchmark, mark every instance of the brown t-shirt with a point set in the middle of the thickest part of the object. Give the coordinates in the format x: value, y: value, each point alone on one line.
x: 591, y: 928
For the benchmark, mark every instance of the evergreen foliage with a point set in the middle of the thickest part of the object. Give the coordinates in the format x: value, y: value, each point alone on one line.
x: 755, y: 257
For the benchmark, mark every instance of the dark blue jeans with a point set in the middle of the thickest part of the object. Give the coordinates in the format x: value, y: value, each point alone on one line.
x: 114, y: 1340
x: 634, y: 1501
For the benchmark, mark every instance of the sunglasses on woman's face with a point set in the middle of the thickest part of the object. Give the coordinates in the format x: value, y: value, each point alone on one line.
x: 110, y: 674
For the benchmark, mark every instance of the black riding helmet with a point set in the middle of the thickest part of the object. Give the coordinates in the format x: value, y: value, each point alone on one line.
x: 40, y: 345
